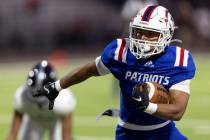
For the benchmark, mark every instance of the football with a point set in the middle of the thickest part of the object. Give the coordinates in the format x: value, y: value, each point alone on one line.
x: 157, y: 93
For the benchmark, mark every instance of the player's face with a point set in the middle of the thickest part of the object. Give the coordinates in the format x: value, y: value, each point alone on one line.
x: 145, y: 35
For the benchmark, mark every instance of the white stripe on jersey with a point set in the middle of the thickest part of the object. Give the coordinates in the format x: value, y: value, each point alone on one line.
x: 119, y: 42
x: 133, y: 126
x: 124, y: 54
x: 178, y: 49
x: 186, y: 55
x: 178, y: 57
x: 117, y: 51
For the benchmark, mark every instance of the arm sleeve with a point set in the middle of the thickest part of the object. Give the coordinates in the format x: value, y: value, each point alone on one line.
x: 113, y: 58
x: 182, y: 86
x: 108, y: 58
x: 102, y: 69
x: 184, y: 73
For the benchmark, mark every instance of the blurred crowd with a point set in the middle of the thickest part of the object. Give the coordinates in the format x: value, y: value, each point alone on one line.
x: 74, y: 25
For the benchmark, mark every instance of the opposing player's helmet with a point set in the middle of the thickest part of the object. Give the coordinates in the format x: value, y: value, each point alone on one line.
x: 41, y: 74
x: 154, y: 20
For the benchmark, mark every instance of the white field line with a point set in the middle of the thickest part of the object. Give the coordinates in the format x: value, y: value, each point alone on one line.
x: 198, y: 126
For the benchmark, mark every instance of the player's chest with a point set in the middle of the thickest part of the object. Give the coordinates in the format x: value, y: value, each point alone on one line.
x: 141, y: 73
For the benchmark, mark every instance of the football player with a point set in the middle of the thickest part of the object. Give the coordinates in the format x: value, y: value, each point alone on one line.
x: 146, y: 56
x: 31, y: 115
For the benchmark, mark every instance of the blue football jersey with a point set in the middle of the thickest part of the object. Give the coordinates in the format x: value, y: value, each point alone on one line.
x: 174, y: 65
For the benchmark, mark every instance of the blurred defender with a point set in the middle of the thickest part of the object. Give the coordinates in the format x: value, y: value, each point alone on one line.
x: 31, y: 115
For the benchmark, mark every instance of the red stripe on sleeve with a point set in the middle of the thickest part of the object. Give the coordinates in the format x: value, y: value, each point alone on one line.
x: 181, y: 60
x: 121, y: 50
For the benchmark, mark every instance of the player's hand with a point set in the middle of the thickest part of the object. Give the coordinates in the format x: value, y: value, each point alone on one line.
x: 140, y: 96
x: 50, y: 92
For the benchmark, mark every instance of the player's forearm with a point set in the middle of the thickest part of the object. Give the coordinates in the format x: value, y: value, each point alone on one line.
x: 176, y: 108
x: 79, y: 75
x: 169, y: 112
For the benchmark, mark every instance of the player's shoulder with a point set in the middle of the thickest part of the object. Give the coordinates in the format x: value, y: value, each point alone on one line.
x: 116, y: 50
x: 18, y: 97
x: 179, y: 57
x: 182, y: 64
x: 19, y: 92
x: 181, y: 61
x: 65, y: 103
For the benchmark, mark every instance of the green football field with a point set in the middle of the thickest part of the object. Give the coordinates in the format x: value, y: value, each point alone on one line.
x: 96, y: 94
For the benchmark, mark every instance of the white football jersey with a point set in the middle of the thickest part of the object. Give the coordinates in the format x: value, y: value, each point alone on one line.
x: 37, y: 108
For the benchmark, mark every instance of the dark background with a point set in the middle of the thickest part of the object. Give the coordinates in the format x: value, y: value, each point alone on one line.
x: 34, y: 29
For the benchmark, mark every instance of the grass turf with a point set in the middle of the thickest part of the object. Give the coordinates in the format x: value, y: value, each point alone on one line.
x: 96, y: 94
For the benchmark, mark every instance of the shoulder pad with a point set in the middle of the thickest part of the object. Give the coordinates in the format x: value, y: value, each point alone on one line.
x: 182, y: 56
x: 115, y: 51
